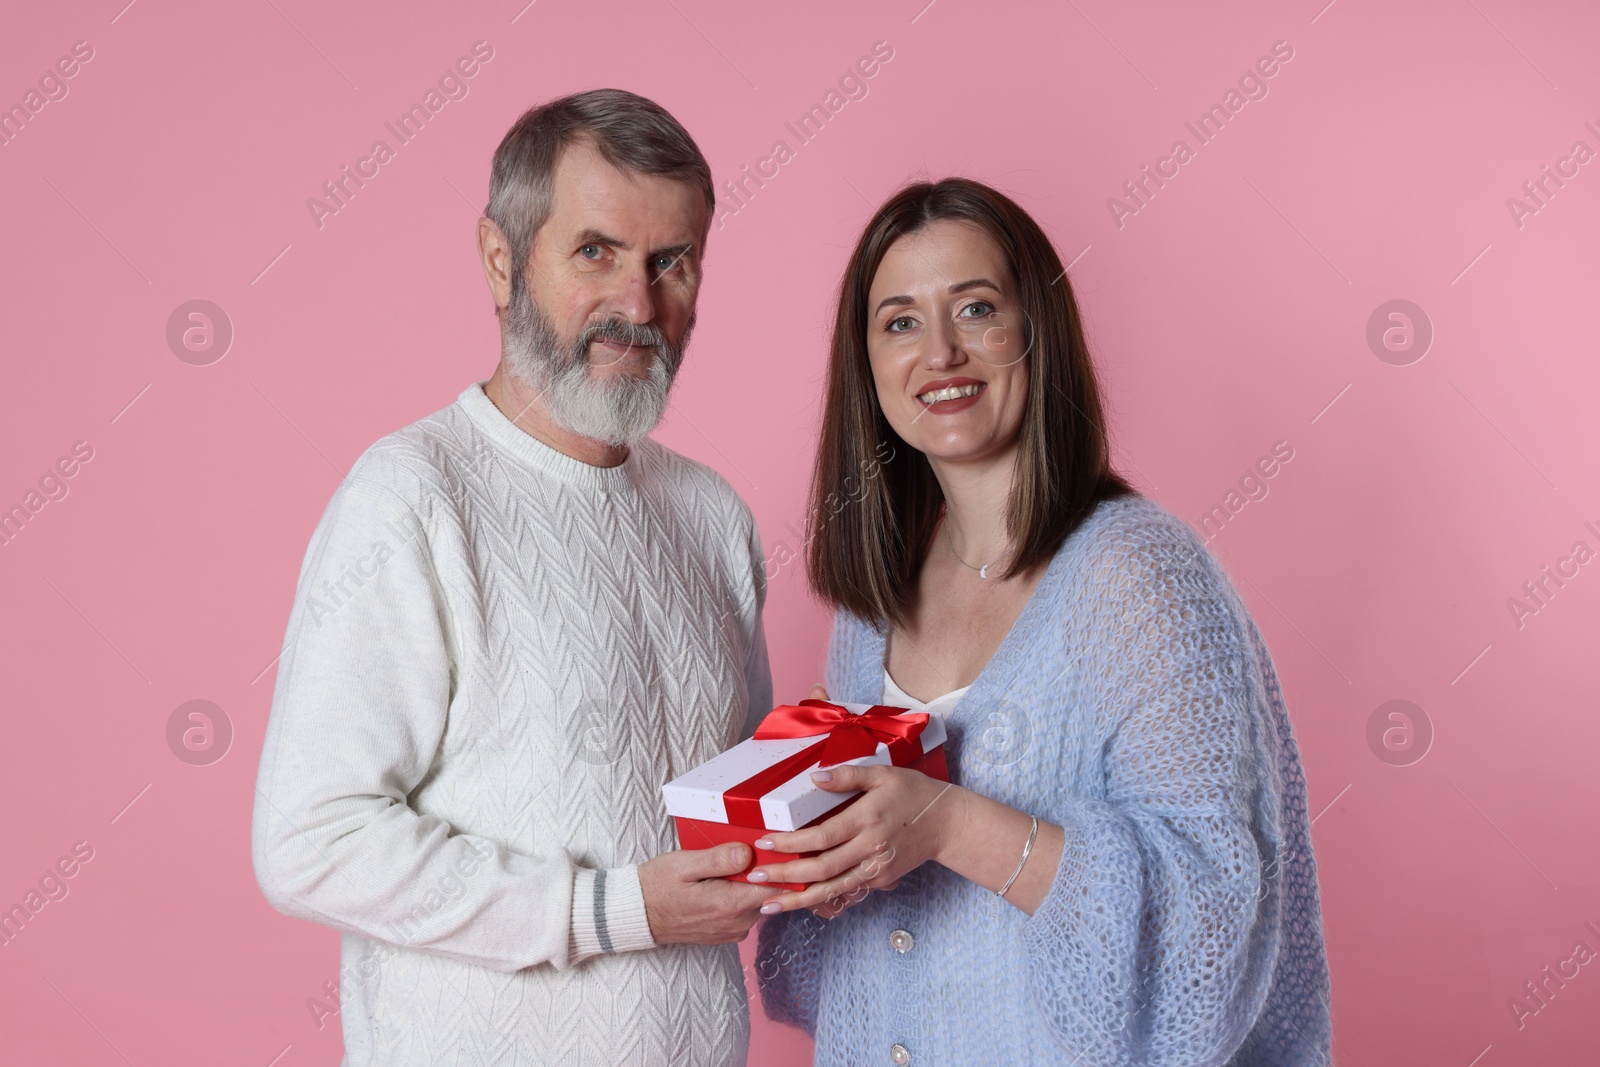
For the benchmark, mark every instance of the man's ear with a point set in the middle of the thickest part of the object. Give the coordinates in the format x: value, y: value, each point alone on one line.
x: 495, y: 253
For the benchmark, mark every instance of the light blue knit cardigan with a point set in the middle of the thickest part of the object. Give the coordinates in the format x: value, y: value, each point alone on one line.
x: 1133, y: 703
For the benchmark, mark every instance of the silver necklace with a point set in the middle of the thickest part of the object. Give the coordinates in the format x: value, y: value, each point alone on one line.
x: 983, y: 571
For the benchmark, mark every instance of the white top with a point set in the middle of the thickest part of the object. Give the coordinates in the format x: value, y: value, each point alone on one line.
x: 496, y: 656
x: 941, y: 706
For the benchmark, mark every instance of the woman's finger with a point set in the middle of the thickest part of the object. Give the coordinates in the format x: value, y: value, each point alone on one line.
x: 813, y: 869
x: 852, y: 886
x: 817, y: 692
x: 812, y: 839
x: 835, y: 831
x: 844, y: 777
x: 841, y: 827
x: 876, y: 871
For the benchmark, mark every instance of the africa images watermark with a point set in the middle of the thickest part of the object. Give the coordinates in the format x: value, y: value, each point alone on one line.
x: 782, y: 554
x: 1540, y: 190
x: 852, y: 85
x: 452, y: 85
x: 1541, y: 990
x: 1252, y: 85
x: 335, y: 592
x: 53, y: 486
x: 52, y: 887
x: 450, y: 887
x: 52, y: 88
x: 1539, y: 591
x: 768, y: 969
x: 1252, y: 487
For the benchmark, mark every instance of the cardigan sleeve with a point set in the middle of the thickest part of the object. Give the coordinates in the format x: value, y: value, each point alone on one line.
x: 788, y: 972
x: 359, y: 710
x: 1156, y: 940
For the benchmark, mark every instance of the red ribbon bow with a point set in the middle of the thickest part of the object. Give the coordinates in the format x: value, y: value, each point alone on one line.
x: 849, y: 736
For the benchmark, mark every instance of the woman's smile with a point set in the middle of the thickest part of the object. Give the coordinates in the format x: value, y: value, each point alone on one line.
x: 946, y: 396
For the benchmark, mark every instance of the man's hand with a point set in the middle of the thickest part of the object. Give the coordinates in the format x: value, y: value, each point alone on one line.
x: 688, y: 902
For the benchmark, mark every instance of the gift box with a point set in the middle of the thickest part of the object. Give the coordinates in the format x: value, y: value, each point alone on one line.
x: 764, y: 784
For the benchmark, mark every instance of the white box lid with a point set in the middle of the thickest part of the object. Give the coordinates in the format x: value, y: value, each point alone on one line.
x: 697, y: 794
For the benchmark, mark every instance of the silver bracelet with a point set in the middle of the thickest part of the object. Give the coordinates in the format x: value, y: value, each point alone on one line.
x: 1033, y: 831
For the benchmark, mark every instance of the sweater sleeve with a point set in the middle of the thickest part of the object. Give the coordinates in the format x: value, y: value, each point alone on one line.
x: 359, y: 710
x: 758, y: 682
x: 1156, y: 940
x: 758, y: 669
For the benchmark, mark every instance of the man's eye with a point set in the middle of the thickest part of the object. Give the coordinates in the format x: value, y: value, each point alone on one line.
x: 589, y: 251
x: 666, y: 262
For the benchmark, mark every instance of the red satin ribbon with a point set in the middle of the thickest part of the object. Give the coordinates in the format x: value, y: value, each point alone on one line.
x: 849, y: 736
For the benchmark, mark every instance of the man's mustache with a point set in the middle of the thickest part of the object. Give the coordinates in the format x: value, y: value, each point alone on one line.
x: 634, y: 334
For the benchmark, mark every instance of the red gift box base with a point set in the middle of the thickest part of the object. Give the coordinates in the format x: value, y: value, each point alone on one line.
x: 699, y: 833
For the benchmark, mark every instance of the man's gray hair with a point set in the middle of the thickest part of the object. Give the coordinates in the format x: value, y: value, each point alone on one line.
x: 629, y: 131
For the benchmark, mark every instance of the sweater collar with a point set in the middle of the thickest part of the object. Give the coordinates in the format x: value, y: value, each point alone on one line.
x: 534, y: 454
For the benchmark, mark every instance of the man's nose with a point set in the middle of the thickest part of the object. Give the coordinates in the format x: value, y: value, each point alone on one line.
x: 634, y: 296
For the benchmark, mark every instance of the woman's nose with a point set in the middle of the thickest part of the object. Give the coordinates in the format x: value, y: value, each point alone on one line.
x: 944, y: 347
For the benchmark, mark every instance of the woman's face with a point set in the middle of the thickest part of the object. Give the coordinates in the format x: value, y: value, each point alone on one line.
x: 946, y: 343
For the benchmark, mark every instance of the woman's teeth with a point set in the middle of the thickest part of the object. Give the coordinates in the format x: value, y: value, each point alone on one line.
x: 950, y: 392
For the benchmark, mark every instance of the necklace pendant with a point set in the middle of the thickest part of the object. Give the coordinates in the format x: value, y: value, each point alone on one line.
x: 983, y: 571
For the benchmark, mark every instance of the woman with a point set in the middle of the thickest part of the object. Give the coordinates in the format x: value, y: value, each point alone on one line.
x: 1123, y: 869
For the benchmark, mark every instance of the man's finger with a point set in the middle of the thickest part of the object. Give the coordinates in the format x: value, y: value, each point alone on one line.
x: 719, y: 862
x: 740, y: 896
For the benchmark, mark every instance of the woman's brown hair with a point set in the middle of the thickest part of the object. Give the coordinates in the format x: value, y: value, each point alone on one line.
x: 875, y: 503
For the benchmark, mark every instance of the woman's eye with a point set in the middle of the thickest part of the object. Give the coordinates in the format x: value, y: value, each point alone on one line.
x: 978, y: 309
x: 589, y: 251
x: 900, y: 325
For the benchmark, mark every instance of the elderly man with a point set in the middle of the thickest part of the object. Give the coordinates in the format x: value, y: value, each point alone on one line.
x: 517, y: 619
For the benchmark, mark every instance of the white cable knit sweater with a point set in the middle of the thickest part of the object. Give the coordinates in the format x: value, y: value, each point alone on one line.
x: 496, y: 656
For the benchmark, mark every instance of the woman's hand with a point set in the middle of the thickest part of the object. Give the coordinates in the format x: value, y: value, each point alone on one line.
x: 896, y: 826
x: 856, y: 891
x: 903, y: 819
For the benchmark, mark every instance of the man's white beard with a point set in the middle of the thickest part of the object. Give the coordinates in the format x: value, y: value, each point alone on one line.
x: 618, y: 411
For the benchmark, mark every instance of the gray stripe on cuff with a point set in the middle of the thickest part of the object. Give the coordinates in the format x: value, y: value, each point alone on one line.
x: 600, y: 910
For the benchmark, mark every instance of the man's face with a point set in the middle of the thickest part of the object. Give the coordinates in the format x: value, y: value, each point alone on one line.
x: 600, y: 327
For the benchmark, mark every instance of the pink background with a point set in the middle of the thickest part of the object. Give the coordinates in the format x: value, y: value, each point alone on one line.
x: 1228, y: 314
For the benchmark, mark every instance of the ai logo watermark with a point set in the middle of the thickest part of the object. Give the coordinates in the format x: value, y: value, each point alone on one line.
x: 199, y: 332
x: 199, y: 732
x: 1399, y: 332
x: 1399, y: 733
